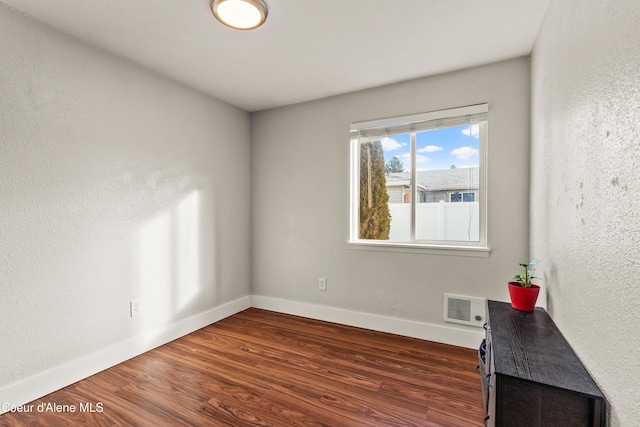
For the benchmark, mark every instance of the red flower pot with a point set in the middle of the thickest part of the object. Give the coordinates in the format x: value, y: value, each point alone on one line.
x: 523, y: 299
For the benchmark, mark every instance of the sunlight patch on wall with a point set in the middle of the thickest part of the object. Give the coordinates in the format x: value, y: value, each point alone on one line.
x: 155, y: 267
x: 170, y: 263
x: 189, y: 283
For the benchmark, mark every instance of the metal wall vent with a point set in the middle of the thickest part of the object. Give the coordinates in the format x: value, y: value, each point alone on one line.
x: 464, y: 310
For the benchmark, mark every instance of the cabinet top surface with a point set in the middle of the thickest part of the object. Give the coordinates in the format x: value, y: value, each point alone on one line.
x: 529, y: 346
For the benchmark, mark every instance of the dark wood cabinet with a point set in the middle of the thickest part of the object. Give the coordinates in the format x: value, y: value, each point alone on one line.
x: 533, y: 377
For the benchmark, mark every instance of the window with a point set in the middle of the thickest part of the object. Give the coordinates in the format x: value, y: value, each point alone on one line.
x: 457, y: 196
x: 419, y: 181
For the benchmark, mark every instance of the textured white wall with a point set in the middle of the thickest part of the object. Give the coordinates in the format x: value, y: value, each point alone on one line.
x: 300, y: 199
x: 585, y: 210
x: 115, y: 183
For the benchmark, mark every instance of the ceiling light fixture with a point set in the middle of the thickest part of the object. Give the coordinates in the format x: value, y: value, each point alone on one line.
x: 240, y: 14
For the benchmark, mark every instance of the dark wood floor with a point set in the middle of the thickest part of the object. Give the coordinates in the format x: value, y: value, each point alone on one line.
x: 259, y: 368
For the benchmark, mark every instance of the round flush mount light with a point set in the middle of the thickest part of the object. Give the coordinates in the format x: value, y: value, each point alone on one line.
x: 240, y: 14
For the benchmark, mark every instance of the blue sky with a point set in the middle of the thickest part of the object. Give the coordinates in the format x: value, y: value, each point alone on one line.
x: 436, y: 149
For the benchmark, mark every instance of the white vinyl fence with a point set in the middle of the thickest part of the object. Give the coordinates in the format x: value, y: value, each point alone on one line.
x: 436, y: 221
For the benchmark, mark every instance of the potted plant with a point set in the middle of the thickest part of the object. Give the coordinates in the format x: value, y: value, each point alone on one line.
x: 522, y: 291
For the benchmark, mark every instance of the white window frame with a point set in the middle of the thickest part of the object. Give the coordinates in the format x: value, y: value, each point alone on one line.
x: 408, y: 124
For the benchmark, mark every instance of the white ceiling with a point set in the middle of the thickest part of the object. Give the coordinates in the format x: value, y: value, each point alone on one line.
x: 307, y: 49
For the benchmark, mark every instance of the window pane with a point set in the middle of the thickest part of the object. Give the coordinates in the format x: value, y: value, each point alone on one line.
x: 385, y: 188
x: 447, y: 174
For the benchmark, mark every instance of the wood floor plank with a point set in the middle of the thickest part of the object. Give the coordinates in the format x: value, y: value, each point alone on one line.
x: 259, y: 368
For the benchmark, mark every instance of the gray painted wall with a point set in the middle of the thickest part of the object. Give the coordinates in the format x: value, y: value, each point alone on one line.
x: 114, y: 185
x: 585, y: 212
x: 300, y: 199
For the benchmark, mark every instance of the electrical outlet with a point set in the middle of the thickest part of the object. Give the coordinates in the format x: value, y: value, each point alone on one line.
x: 136, y: 307
x: 322, y: 284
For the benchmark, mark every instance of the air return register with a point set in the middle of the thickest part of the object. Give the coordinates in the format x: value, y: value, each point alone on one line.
x: 464, y: 310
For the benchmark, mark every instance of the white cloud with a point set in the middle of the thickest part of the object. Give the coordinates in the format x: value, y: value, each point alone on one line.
x: 390, y: 144
x: 465, y: 153
x: 406, y: 158
x: 420, y: 160
x: 429, y: 149
x: 473, y: 130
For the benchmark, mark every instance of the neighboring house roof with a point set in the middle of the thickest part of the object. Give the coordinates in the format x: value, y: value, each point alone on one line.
x: 400, y: 180
x: 394, y: 179
x: 442, y: 179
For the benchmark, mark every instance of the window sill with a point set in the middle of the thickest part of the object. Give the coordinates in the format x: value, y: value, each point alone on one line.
x: 468, y: 251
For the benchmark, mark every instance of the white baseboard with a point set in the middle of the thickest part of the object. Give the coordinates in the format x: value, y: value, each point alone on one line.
x: 447, y: 335
x: 41, y: 384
